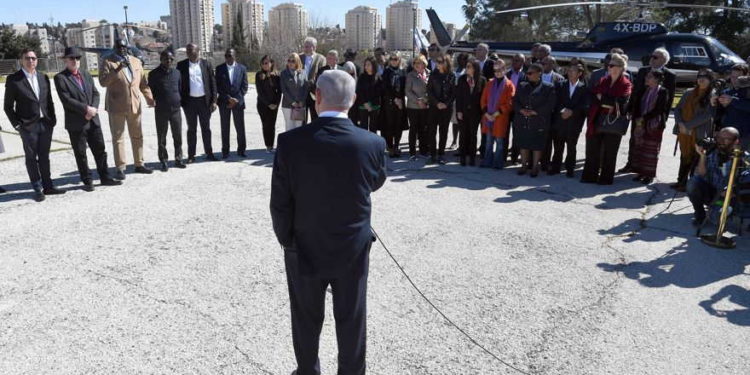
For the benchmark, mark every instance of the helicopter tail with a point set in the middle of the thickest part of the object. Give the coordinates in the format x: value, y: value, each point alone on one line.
x: 443, y: 38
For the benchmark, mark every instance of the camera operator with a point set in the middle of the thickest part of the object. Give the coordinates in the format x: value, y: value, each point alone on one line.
x: 735, y: 103
x: 712, y: 172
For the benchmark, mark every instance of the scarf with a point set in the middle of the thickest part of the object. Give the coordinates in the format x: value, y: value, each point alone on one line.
x: 621, y: 88
x: 496, y: 91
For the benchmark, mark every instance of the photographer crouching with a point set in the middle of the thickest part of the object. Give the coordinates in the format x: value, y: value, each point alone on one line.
x: 712, y: 171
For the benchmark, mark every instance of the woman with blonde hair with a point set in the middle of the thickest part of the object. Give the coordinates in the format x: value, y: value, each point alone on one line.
x: 294, y: 89
x: 417, y: 106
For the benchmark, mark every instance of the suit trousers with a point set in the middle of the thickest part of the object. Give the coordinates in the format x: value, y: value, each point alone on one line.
x: 166, y: 119
x: 368, y: 120
x: 418, y: 120
x: 601, y: 158
x: 268, y: 121
x: 559, y: 143
x: 198, y: 111
x: 91, y: 135
x: 307, y: 301
x: 468, y: 145
x: 438, y: 128
x: 117, y: 126
x: 392, y: 126
x: 37, y: 140
x: 226, y: 115
x: 313, y: 114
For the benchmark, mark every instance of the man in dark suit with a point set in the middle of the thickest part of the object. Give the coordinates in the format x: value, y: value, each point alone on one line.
x: 570, y: 113
x: 28, y: 105
x: 658, y: 60
x: 327, y: 169
x: 481, y: 52
x: 80, y: 99
x: 198, y: 97
x: 166, y: 84
x: 231, y: 83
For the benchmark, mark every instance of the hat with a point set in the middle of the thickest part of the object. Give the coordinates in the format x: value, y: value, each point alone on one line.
x: 72, y: 52
x: 350, y: 53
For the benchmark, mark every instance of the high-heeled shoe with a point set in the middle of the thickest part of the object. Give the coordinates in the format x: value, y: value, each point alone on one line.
x: 522, y: 171
x: 534, y: 173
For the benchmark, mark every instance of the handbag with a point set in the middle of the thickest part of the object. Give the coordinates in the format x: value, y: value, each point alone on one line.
x: 298, y: 114
x: 617, y: 125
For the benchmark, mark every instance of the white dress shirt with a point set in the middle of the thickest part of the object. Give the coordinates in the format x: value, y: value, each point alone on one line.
x: 34, y: 82
x: 230, y: 70
x: 335, y: 114
x: 308, y: 65
x: 572, y: 88
x: 196, y: 79
x: 547, y: 77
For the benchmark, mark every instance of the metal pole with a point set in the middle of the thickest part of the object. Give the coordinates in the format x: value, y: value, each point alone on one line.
x: 127, y: 34
x: 413, y: 35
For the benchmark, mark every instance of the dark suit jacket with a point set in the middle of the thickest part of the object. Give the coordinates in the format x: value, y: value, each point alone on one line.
x: 21, y: 105
x: 323, y: 175
x: 468, y: 101
x: 76, y: 102
x: 209, y: 81
x: 236, y: 90
x: 639, y: 85
x: 521, y: 75
x: 578, y: 103
x: 488, y: 70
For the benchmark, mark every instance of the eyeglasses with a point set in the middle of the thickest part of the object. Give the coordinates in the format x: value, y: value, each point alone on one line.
x: 654, y: 57
x: 499, y: 70
x: 613, y: 66
x: 291, y: 61
x: 29, y: 58
x: 266, y: 62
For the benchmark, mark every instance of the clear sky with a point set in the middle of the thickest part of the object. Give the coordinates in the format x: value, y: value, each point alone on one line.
x: 330, y: 11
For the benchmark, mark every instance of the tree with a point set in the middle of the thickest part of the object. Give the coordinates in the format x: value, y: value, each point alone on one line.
x: 12, y: 44
x: 470, y: 9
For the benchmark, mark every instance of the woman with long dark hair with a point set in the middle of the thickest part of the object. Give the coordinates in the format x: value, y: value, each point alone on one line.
x: 609, y: 102
x: 441, y: 94
x: 268, y: 86
x: 394, y: 105
x: 369, y: 93
x: 469, y: 110
x: 693, y: 117
x: 649, y: 121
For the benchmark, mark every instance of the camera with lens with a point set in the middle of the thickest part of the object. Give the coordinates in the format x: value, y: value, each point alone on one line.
x: 720, y: 86
x: 708, y: 144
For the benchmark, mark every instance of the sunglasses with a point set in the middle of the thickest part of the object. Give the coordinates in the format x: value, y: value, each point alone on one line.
x: 29, y: 58
x: 266, y: 62
x: 499, y: 70
x: 291, y: 61
x: 613, y: 66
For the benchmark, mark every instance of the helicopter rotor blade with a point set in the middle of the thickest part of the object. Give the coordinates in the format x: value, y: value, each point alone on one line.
x: 558, y: 5
x: 708, y: 7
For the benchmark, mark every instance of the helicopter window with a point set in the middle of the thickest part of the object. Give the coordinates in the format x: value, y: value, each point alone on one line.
x: 690, y: 53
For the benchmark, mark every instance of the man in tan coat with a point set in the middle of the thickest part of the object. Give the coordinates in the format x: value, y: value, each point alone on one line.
x: 122, y: 75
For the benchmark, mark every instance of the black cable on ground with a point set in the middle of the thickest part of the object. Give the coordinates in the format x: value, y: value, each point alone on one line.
x: 447, y: 319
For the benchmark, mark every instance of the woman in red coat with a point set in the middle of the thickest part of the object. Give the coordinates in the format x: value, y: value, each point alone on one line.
x: 497, y: 104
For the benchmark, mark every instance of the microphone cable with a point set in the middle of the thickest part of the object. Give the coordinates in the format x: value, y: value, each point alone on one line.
x: 445, y: 317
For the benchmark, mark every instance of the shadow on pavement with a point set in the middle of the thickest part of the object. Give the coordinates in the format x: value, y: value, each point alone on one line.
x: 736, y: 295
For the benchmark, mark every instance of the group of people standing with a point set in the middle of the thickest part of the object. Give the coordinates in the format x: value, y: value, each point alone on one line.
x: 193, y: 87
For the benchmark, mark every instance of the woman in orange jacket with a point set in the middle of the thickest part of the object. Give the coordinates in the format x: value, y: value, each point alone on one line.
x: 497, y: 104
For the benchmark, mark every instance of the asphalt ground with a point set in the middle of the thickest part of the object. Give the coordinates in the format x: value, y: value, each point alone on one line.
x: 180, y: 272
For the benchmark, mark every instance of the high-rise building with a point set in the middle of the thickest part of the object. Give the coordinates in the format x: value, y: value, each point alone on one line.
x: 362, y: 28
x: 402, y: 18
x: 252, y: 20
x: 287, y: 25
x: 192, y: 21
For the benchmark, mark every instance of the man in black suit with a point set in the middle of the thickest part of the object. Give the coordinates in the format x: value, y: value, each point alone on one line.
x: 198, y: 97
x: 481, y: 52
x: 658, y: 60
x: 231, y: 83
x: 327, y: 169
x: 166, y: 84
x: 28, y: 105
x: 80, y: 99
x: 570, y: 113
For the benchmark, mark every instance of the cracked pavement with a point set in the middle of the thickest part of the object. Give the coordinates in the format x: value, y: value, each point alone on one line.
x: 180, y: 272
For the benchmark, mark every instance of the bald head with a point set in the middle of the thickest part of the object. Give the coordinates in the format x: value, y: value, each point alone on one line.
x: 335, y: 91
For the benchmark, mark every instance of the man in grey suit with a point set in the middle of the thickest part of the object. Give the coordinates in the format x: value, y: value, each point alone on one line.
x: 312, y: 62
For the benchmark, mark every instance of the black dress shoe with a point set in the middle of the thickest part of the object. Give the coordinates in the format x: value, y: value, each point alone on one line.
x: 164, y: 166
x: 53, y: 191
x: 191, y: 159
x: 120, y: 175
x: 111, y: 182
x: 463, y: 161
x: 211, y: 157
x: 241, y: 154
x: 570, y: 173
x: 224, y: 155
x: 2, y: 190
x: 626, y: 169
x: 179, y: 164
x: 88, y: 187
x: 143, y: 170
x: 39, y: 196
x: 442, y: 161
x: 647, y: 180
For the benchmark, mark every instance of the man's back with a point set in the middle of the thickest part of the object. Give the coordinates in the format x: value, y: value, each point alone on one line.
x: 323, y: 175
